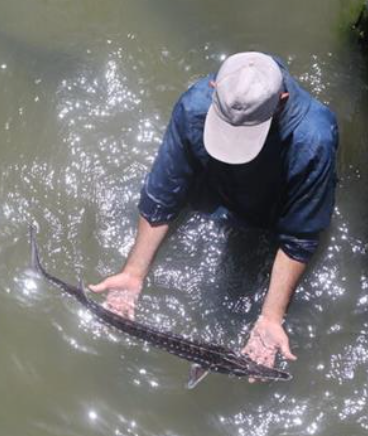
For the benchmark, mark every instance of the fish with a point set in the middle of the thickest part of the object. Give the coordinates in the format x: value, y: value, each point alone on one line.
x: 205, y: 358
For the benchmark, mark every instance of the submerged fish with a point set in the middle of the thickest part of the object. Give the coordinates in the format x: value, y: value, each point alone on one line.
x: 205, y: 357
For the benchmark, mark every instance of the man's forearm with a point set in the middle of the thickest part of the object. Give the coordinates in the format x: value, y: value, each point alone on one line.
x: 147, y: 242
x: 285, y: 277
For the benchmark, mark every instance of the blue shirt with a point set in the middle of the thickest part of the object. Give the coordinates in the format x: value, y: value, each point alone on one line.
x: 288, y: 188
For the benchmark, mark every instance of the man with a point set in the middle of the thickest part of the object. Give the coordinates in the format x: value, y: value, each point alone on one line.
x: 249, y: 141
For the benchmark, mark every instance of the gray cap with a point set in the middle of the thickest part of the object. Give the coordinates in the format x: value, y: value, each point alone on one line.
x: 247, y: 92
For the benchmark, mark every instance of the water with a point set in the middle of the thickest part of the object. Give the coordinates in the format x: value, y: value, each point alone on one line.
x: 86, y: 90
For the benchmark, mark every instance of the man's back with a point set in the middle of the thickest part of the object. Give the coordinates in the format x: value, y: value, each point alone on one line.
x: 288, y: 187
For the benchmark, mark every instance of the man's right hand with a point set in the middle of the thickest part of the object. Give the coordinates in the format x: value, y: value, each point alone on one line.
x: 124, y: 288
x: 123, y: 292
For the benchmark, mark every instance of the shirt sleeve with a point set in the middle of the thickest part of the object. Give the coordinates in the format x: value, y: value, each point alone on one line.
x: 166, y: 187
x: 310, y: 195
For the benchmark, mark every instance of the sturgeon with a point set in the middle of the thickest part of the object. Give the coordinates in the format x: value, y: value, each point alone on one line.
x: 204, y: 357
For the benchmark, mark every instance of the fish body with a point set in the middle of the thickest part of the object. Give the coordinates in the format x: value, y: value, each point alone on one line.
x: 205, y: 357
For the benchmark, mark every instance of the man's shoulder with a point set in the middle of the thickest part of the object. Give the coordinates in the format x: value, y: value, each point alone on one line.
x: 317, y: 133
x: 196, y: 100
x: 314, y: 142
x: 319, y: 123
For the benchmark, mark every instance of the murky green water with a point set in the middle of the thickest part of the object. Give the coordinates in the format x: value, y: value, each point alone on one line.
x: 86, y: 88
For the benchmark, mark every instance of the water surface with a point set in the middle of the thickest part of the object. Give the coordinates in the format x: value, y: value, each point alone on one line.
x: 86, y: 91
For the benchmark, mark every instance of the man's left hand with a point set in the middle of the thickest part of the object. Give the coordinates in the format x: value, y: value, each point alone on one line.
x: 266, y: 339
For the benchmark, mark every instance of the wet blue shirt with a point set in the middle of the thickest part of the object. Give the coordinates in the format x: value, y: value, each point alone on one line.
x: 288, y: 188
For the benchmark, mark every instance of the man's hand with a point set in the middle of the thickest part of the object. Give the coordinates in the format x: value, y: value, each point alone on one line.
x: 266, y: 339
x: 123, y: 292
x: 124, y: 288
x: 267, y: 336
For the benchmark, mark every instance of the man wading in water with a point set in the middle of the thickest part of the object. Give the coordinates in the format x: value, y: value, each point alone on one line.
x: 251, y: 143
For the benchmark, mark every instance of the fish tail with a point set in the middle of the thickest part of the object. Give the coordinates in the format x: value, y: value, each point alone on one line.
x: 76, y: 291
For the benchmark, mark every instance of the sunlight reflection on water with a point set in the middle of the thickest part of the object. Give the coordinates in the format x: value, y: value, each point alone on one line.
x: 82, y: 185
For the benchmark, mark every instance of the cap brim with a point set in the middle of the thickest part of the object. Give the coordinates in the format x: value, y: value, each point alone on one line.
x: 233, y: 144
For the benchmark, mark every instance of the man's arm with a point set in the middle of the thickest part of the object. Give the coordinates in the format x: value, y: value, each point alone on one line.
x: 148, y: 240
x: 268, y: 336
x: 124, y: 288
x: 163, y: 195
x: 286, y: 273
x: 307, y: 210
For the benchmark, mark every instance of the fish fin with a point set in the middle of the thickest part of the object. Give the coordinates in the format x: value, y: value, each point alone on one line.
x: 35, y: 258
x: 196, y: 374
x: 82, y: 294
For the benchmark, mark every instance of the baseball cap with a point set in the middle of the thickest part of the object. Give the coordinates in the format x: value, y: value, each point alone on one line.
x: 247, y: 92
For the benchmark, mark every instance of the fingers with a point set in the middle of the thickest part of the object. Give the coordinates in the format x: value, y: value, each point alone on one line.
x: 122, y: 296
x: 122, y: 303
x: 121, y: 282
x: 264, y: 342
x: 130, y: 313
x: 260, y: 354
x: 125, y: 313
x: 286, y: 352
x: 259, y: 351
x: 269, y: 359
x: 100, y: 287
x: 265, y: 360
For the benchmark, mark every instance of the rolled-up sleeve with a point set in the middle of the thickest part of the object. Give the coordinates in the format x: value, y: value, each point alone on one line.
x: 310, y: 196
x: 299, y: 248
x: 165, y: 189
